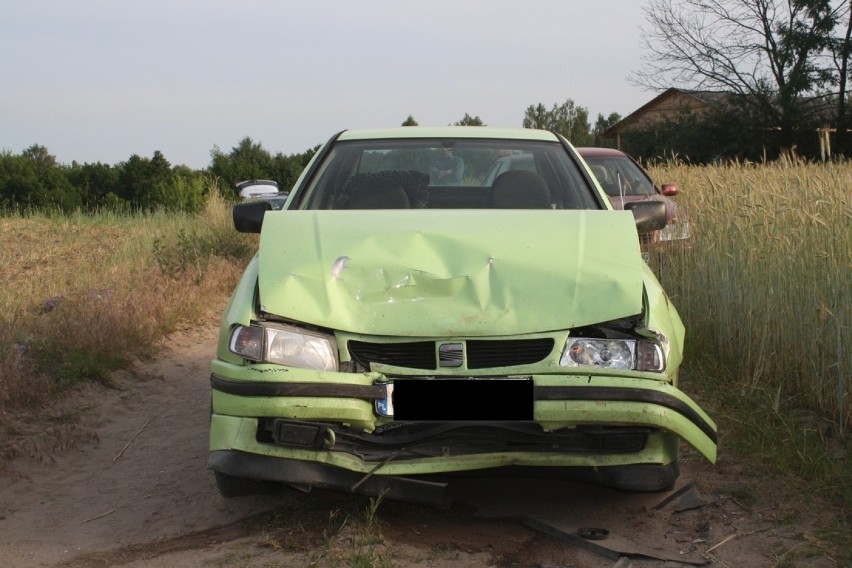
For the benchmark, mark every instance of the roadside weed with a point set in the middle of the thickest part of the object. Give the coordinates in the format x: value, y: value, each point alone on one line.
x: 83, y: 295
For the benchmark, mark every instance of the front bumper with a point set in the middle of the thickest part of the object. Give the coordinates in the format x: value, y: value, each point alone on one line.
x: 425, y: 489
x: 246, y: 399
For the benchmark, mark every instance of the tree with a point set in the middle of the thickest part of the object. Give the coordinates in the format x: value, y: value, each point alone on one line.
x: 841, y: 51
x: 184, y: 190
x: 34, y: 180
x: 769, y: 53
x: 287, y: 169
x: 567, y: 119
x: 19, y: 183
x: 97, y: 184
x: 409, y: 121
x: 247, y: 160
x: 145, y: 184
x: 40, y: 157
x: 602, y: 125
x: 469, y: 121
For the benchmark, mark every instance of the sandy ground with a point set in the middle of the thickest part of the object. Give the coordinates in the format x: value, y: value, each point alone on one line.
x: 125, y: 483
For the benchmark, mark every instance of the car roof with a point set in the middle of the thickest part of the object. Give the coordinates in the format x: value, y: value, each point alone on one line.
x: 251, y: 182
x: 590, y: 151
x: 449, y: 132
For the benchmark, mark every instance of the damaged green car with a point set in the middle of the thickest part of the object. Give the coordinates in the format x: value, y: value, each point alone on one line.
x: 409, y: 318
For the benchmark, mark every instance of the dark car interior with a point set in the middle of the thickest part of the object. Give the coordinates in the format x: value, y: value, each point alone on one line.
x: 392, y: 175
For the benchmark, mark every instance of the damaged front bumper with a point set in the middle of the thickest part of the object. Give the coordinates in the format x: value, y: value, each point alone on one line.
x: 327, y: 430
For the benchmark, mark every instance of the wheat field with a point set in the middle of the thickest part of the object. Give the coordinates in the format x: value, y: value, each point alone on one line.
x: 765, y: 290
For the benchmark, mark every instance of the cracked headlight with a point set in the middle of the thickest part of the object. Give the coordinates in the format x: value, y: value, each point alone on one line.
x: 629, y: 354
x: 284, y: 345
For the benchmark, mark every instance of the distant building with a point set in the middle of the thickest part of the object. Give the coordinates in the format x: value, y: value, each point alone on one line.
x: 672, y: 104
x: 668, y: 105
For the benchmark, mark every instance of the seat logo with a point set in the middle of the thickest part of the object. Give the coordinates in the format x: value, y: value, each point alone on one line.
x: 451, y: 354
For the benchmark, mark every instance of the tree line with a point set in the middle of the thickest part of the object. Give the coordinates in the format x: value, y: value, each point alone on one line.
x: 35, y: 180
x: 781, y: 65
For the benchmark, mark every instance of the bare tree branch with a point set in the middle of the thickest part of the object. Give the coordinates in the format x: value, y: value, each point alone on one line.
x: 769, y: 52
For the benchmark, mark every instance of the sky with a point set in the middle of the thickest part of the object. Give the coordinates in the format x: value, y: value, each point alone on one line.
x: 102, y: 80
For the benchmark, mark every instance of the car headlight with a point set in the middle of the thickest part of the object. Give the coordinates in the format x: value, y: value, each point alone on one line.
x: 284, y: 345
x: 629, y: 354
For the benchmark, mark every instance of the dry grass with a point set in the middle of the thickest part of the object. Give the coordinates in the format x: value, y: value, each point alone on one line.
x: 765, y: 293
x: 766, y: 296
x: 82, y: 295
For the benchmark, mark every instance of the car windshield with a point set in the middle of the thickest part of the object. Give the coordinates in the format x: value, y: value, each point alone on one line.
x: 458, y: 173
x: 610, y: 169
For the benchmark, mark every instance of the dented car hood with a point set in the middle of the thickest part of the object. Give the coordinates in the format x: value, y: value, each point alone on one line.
x: 450, y: 272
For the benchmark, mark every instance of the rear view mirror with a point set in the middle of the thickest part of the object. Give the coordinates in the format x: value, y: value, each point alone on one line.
x: 669, y: 189
x: 650, y: 216
x: 248, y: 217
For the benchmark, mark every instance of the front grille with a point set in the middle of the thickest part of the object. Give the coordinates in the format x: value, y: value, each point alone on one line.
x: 481, y: 353
x: 413, y: 355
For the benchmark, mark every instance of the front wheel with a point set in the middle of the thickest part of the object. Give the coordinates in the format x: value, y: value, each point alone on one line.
x: 650, y: 478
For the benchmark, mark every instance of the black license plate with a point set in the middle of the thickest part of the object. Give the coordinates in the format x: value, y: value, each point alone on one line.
x: 460, y: 399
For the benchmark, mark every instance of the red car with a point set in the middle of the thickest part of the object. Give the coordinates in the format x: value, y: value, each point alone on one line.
x: 624, y: 180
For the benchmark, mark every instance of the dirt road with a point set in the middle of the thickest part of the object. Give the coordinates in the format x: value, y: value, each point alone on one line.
x: 125, y: 484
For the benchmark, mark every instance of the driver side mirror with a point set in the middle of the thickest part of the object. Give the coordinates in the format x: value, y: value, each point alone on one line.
x: 248, y: 216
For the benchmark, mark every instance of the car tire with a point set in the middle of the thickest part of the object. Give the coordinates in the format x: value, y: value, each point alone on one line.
x: 230, y: 486
x: 650, y: 478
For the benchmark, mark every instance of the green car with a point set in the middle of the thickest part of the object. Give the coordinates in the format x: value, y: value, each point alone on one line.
x: 408, y: 319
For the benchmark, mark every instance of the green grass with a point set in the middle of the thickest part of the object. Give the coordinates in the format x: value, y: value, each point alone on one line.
x: 332, y: 529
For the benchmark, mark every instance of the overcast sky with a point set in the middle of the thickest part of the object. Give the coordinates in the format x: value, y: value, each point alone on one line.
x: 101, y: 80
